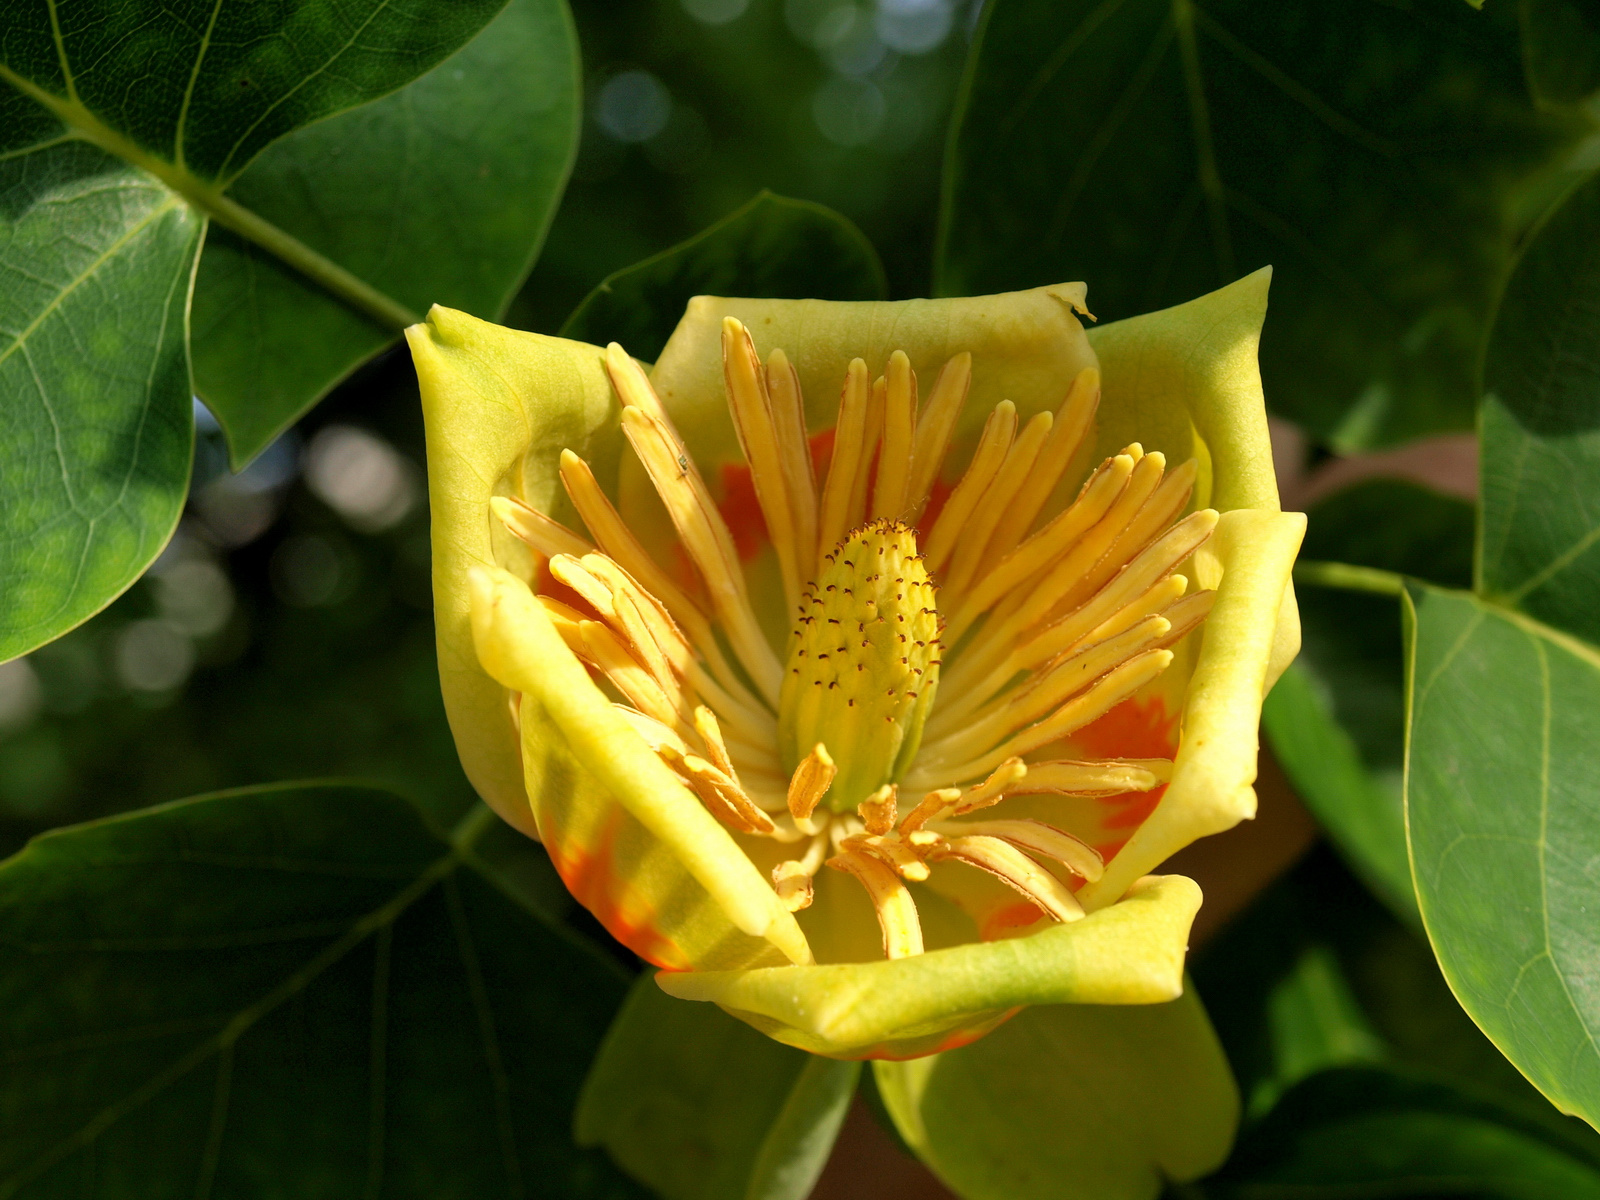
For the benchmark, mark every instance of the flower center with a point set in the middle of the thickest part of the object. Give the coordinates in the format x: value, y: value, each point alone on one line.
x: 863, y: 662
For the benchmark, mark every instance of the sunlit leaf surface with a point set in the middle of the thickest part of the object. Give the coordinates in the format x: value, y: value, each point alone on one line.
x: 96, y: 260
x: 298, y: 990
x: 438, y: 194
x: 1503, y: 774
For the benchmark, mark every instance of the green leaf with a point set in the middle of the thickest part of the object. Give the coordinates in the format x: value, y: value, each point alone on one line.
x: 294, y: 990
x: 96, y: 261
x: 1540, y: 549
x: 700, y: 1106
x: 1337, y: 717
x: 440, y: 193
x: 1561, y: 49
x: 1505, y: 686
x: 771, y: 248
x: 1371, y: 1131
x: 1500, y: 795
x: 1374, y: 154
x: 1107, y: 1100
x: 205, y: 85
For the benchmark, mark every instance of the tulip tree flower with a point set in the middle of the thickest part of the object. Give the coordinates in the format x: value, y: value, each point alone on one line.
x: 858, y: 663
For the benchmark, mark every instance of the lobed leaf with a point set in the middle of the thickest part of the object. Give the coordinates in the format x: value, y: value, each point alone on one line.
x: 1373, y: 154
x: 296, y: 990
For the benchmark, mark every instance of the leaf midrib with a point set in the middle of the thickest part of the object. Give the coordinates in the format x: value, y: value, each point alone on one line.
x: 212, y: 201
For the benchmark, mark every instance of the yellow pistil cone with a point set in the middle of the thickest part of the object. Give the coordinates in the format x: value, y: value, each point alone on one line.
x: 707, y: 674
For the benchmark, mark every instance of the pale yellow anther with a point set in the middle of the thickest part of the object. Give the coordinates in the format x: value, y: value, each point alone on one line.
x: 726, y: 799
x: 993, y: 446
x: 1002, y: 779
x: 1186, y: 614
x: 889, y: 495
x: 598, y: 645
x: 928, y: 808
x: 996, y: 502
x: 897, y: 912
x: 1014, y: 869
x: 1153, y: 519
x: 879, y: 811
x: 658, y: 737
x: 1073, y: 421
x: 871, y: 437
x: 1095, y: 778
x: 792, y: 882
x: 789, y: 420
x: 1094, y: 500
x: 756, y: 427
x: 810, y: 782
x: 530, y: 525
x: 848, y: 451
x: 1157, y: 599
x: 635, y: 390
x: 705, y: 537
x: 934, y: 427
x: 1038, y: 838
x: 906, y: 858
x: 705, y: 724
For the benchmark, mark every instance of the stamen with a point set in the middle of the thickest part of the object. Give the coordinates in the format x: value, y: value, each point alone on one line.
x: 1073, y: 421
x: 1014, y: 869
x: 1095, y: 778
x: 530, y: 525
x: 1108, y: 692
x: 598, y: 645
x: 706, y: 539
x: 1094, y: 500
x: 810, y: 782
x: 930, y: 806
x: 904, y: 858
x: 934, y: 427
x: 722, y: 795
x: 897, y: 912
x: 899, y: 418
x: 997, y: 500
x: 705, y: 724
x: 1036, y: 837
x: 758, y: 437
x: 792, y: 879
x: 848, y: 450
x: 789, y: 420
x: 1001, y: 779
x: 635, y: 390
x: 871, y: 437
x: 993, y: 445
x: 879, y: 810
x: 1153, y: 519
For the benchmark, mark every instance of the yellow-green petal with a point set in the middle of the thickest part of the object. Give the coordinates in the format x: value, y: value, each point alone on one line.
x: 1129, y: 953
x: 1071, y: 1100
x: 499, y: 405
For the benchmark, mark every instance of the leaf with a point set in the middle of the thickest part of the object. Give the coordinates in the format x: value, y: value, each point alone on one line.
x: 1540, y: 549
x: 1113, y: 1099
x: 96, y: 261
x: 1561, y: 48
x: 1373, y: 154
x: 700, y: 1106
x: 188, y: 95
x: 292, y: 990
x: 1380, y: 1131
x: 1337, y: 717
x: 770, y: 248
x: 440, y: 193
x: 204, y: 85
x: 1500, y: 796
x: 1505, y: 687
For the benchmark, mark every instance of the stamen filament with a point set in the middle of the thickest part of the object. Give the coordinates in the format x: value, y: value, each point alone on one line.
x: 1035, y: 837
x: 1014, y: 869
x: 897, y: 912
x: 997, y: 500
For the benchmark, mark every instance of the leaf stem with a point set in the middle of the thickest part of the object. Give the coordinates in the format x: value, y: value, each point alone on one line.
x: 215, y: 204
x: 1350, y: 578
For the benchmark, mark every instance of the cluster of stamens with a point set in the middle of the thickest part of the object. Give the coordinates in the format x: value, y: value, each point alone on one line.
x: 1045, y: 629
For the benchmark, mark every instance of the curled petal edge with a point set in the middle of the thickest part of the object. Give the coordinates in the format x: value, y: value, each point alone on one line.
x: 1128, y: 953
